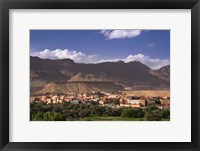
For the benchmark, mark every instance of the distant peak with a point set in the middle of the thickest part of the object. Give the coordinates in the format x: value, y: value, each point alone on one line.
x: 138, y: 63
x: 120, y: 61
x: 62, y: 60
x: 66, y: 60
x: 133, y: 62
x: 34, y: 57
x: 165, y: 67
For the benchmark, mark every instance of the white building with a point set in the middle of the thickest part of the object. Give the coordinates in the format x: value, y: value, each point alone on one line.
x: 133, y: 101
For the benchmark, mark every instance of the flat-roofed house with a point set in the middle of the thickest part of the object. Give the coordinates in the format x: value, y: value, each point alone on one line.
x: 59, y: 101
x: 130, y: 105
x: 32, y: 99
x: 136, y: 105
x: 165, y: 103
x: 61, y: 97
x: 150, y: 102
x: 113, y: 96
x: 49, y: 100
x: 43, y: 98
x: 133, y: 101
x: 143, y: 102
x: 125, y: 105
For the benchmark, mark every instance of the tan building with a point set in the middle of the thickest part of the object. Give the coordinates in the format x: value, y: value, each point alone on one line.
x: 101, y: 102
x: 32, y: 99
x: 133, y: 101
x: 143, y: 102
x: 49, y: 100
x: 165, y: 104
x: 130, y: 105
x: 136, y: 105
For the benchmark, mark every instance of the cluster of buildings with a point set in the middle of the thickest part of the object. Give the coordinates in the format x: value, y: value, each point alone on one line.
x: 51, y: 98
x: 106, y: 99
x: 142, y: 102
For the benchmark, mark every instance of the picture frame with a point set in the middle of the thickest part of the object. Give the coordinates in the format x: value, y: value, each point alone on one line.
x: 6, y: 5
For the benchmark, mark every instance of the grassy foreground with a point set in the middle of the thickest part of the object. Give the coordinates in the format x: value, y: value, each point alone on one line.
x: 112, y: 118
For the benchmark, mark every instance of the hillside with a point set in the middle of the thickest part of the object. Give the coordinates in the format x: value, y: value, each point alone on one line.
x: 162, y: 73
x: 80, y: 87
x: 79, y: 77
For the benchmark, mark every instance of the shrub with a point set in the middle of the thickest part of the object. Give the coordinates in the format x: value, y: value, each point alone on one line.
x: 132, y: 113
x: 166, y: 113
x: 155, y: 115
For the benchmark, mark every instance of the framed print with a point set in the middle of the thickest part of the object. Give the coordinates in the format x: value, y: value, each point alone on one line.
x: 99, y: 75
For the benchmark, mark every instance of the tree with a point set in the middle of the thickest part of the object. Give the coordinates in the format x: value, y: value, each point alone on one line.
x: 84, y: 113
x: 109, y: 111
x: 98, y: 110
x: 117, y: 111
x: 47, y: 108
x: 155, y: 115
x: 57, y: 108
x: 151, y: 108
x: 52, y: 116
x: 130, y: 112
x: 141, y: 113
x: 166, y: 113
x: 38, y: 116
x: 116, y: 102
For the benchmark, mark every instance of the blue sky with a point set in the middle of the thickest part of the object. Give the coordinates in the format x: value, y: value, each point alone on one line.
x: 151, y: 47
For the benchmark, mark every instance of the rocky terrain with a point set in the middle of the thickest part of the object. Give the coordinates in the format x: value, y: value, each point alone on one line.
x: 66, y: 76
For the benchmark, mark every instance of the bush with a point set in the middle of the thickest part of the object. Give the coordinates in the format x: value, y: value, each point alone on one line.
x: 155, y: 115
x: 52, y: 116
x: 151, y: 108
x: 48, y: 116
x: 132, y: 113
x: 57, y: 109
x: 109, y: 111
x: 116, y: 102
x: 84, y: 113
x: 166, y: 113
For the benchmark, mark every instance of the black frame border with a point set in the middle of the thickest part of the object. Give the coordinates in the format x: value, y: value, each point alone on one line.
x: 5, y: 5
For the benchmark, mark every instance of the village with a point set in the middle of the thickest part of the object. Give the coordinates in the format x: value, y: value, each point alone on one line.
x: 113, y: 100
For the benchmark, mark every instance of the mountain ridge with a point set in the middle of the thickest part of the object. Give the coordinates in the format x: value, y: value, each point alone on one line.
x: 132, y: 75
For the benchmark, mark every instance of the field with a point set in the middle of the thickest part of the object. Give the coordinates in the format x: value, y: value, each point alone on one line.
x: 149, y: 93
x: 113, y: 118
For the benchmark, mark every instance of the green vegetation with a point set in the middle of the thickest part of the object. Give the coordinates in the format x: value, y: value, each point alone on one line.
x: 110, y: 118
x: 67, y: 111
x: 133, y: 113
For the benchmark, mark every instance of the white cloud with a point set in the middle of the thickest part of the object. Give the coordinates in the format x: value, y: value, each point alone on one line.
x: 150, y: 45
x: 152, y: 63
x: 114, y: 34
x: 80, y: 57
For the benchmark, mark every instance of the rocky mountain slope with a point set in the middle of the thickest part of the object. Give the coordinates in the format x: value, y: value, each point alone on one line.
x: 67, y: 76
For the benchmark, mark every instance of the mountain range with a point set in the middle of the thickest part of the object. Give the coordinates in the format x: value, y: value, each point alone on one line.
x: 66, y: 76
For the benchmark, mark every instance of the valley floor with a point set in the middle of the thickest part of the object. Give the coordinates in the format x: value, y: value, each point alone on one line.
x: 112, y: 118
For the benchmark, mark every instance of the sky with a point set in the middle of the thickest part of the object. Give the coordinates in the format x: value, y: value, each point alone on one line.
x: 151, y: 47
